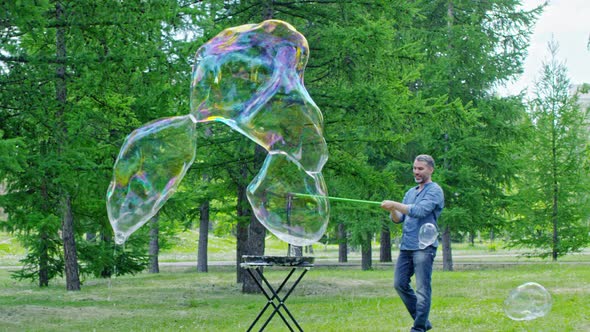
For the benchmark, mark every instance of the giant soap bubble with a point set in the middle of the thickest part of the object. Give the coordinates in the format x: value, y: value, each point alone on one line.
x: 150, y: 165
x: 299, y: 220
x: 251, y: 78
x: 528, y: 301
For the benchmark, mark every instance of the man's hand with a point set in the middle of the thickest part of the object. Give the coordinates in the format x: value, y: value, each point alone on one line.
x: 394, y: 215
x: 388, y: 205
x: 396, y: 210
x: 395, y: 206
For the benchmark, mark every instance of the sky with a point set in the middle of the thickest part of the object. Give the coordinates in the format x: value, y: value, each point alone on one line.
x: 568, y: 22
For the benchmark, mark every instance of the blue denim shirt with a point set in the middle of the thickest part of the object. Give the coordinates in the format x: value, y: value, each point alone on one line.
x: 424, y: 207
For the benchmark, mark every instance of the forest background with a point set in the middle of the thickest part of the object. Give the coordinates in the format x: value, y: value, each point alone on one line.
x: 393, y: 79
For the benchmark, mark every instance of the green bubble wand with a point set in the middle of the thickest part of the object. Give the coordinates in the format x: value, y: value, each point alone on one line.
x: 338, y: 199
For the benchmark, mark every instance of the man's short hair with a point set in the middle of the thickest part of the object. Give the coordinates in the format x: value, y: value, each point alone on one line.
x: 427, y: 159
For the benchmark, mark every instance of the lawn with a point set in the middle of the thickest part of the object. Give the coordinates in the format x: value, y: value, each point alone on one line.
x: 329, y: 298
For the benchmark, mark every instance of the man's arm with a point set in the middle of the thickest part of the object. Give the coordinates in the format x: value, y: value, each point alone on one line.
x: 396, y: 209
x: 393, y: 205
x: 396, y: 216
x: 432, y: 198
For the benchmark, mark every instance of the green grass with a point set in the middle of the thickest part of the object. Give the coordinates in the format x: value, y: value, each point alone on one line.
x: 10, y: 250
x: 328, y: 299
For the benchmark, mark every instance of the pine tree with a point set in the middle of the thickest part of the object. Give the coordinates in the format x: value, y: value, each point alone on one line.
x: 470, y: 48
x: 554, y: 191
x: 77, y: 77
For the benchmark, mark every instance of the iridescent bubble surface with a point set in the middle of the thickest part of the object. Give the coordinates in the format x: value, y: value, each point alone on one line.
x: 149, y: 168
x: 528, y: 301
x: 427, y: 235
x: 294, y: 219
x: 251, y: 78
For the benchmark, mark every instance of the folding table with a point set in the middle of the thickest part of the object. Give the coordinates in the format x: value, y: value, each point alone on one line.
x: 256, y: 263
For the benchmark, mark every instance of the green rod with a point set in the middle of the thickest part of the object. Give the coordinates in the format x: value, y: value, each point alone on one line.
x: 338, y: 199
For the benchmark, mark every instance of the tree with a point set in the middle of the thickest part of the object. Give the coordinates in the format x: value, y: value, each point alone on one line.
x: 554, y: 192
x: 470, y: 48
x: 249, y: 231
x: 364, y: 59
x: 364, y: 62
x: 74, y: 83
x: 54, y: 197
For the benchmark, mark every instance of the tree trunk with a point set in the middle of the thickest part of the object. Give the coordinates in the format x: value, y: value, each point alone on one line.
x: 43, y: 252
x: 366, y: 254
x: 256, y: 233
x: 555, y: 239
x: 108, y: 269
x: 385, y: 248
x: 154, y: 245
x: 342, y: 244
x: 446, y: 235
x: 69, y: 243
x: 243, y: 215
x: 447, y: 254
x: 202, y: 265
x: 43, y: 261
x: 241, y: 232
x: 202, y: 251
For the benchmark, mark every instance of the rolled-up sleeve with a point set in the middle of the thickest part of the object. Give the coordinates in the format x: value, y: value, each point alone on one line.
x: 432, y: 199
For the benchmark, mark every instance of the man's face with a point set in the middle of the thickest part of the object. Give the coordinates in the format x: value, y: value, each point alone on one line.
x: 422, y: 172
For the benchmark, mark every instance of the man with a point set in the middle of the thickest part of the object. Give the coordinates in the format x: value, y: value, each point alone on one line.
x: 421, y: 205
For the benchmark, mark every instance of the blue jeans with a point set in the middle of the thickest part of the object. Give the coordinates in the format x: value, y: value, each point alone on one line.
x: 419, y: 263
